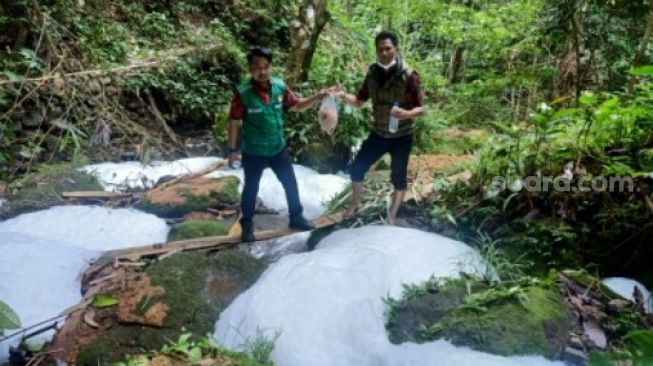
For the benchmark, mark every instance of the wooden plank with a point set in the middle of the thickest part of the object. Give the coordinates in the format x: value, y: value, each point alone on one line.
x: 213, y: 242
x: 94, y: 194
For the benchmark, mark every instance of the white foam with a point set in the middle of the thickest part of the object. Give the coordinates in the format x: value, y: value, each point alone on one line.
x: 43, y: 253
x: 38, y: 280
x: 133, y: 174
x: 315, y: 189
x: 91, y: 227
x: 328, y: 303
x: 624, y: 287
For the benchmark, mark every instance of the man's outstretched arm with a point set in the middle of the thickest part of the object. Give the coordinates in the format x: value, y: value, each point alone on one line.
x: 306, y: 103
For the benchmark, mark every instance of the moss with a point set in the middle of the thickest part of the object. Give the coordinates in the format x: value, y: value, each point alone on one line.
x: 197, y: 288
x: 226, y: 197
x: 405, y: 319
x: 197, y: 228
x: 536, y: 321
x: 229, y: 195
x: 43, y: 190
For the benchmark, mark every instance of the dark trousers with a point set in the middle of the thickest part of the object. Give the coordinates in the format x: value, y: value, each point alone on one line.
x: 373, y: 148
x: 281, y: 165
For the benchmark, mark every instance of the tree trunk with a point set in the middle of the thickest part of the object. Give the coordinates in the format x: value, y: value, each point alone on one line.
x: 576, y: 28
x: 639, y: 58
x: 304, y: 32
x: 455, y: 64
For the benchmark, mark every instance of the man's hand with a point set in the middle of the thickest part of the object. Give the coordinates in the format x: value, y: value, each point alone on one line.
x: 323, y: 93
x: 401, y: 113
x: 337, y: 91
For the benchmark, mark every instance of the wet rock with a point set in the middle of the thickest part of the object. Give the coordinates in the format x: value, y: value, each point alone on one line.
x: 595, y: 334
x: 44, y: 190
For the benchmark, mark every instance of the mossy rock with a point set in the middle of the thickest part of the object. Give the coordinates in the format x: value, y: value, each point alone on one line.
x: 43, y: 190
x: 405, y: 319
x: 196, y: 229
x: 197, y: 288
x: 196, y: 195
x: 536, y: 322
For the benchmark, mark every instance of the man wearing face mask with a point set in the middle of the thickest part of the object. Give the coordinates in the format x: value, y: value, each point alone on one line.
x: 396, y: 101
x: 260, y: 103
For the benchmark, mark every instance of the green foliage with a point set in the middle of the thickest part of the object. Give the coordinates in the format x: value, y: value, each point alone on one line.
x: 102, y: 41
x: 500, y: 267
x: 376, y: 198
x: 626, y: 322
x: 186, y: 348
x: 606, y: 135
x: 260, y: 347
x: 441, y: 215
x: 8, y: 318
x: 104, y: 301
x: 193, y: 350
x: 637, y: 351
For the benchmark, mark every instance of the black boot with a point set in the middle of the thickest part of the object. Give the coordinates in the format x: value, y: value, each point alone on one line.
x: 300, y: 223
x: 247, y: 230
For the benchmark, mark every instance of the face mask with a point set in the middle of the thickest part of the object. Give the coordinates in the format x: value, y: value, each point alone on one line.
x: 388, y: 65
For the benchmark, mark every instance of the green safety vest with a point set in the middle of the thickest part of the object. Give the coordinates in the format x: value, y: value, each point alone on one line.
x: 263, y: 123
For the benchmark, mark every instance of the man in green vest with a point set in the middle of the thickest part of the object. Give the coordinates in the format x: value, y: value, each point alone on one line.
x: 396, y: 101
x: 261, y: 103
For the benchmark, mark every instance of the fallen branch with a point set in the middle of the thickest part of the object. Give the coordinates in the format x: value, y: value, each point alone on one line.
x: 157, y: 115
x: 94, y: 194
x: 96, y: 72
x: 187, y: 177
x: 40, y: 357
x: 23, y: 330
x: 100, y: 72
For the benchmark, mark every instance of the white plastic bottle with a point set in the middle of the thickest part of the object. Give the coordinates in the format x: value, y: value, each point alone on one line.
x: 393, y: 123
